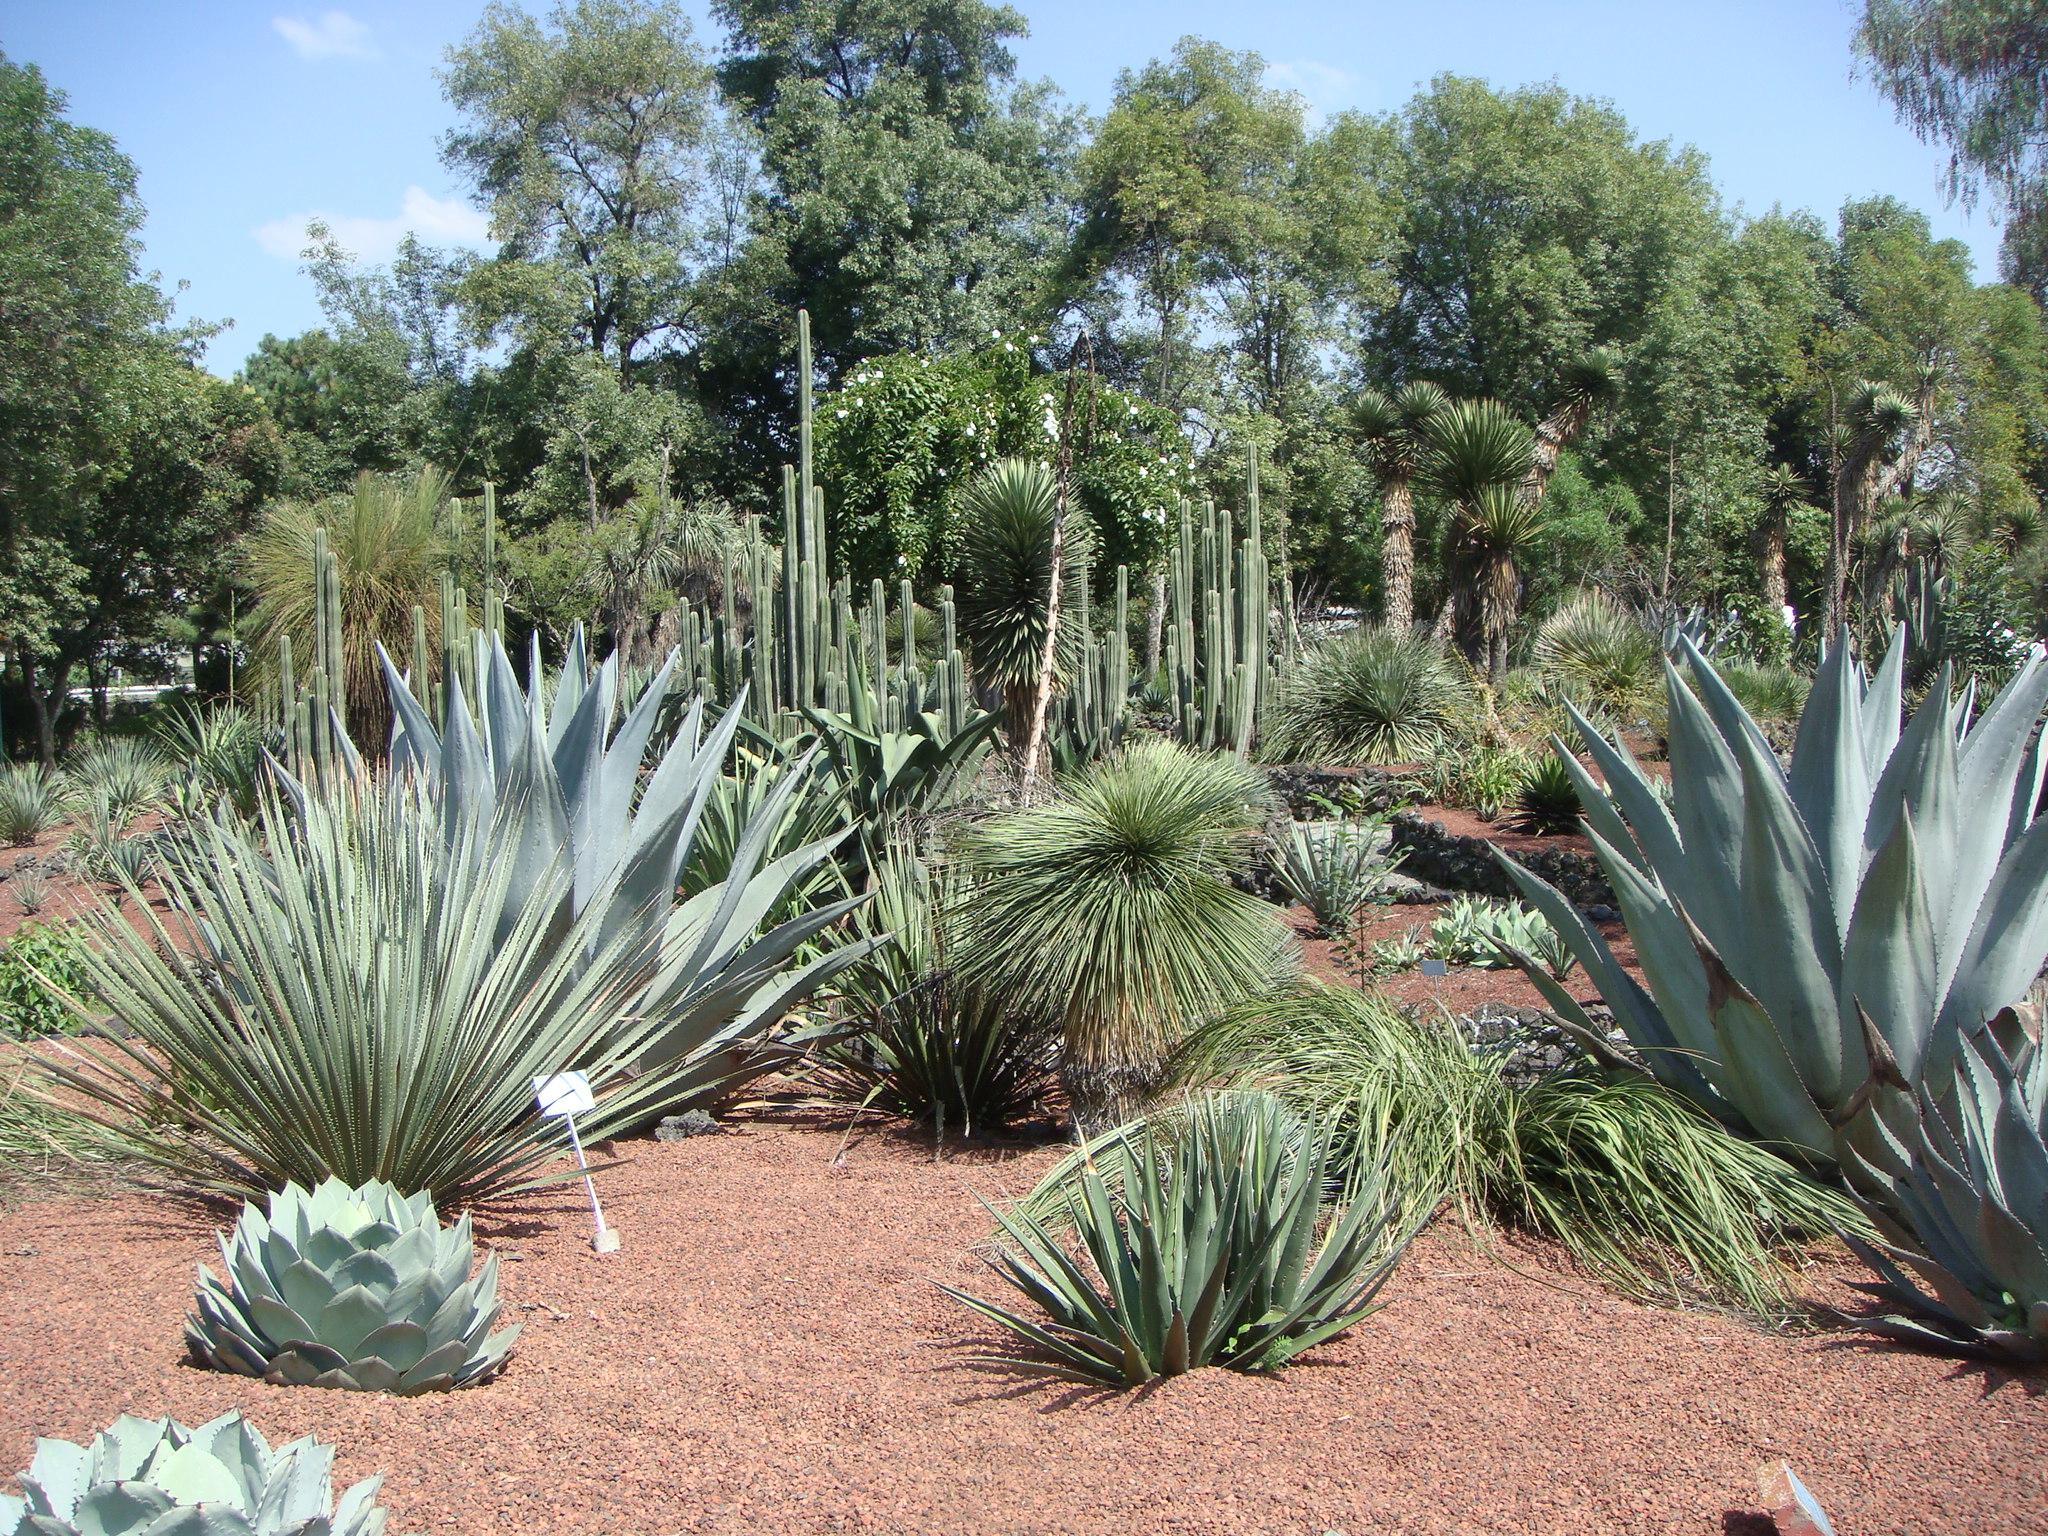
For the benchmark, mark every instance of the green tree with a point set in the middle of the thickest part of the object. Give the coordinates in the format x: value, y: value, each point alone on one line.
x: 125, y: 471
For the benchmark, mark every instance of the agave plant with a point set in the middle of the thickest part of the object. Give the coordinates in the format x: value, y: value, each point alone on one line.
x: 1213, y: 1248
x: 1370, y: 696
x: 1972, y: 1178
x: 361, y: 1289
x: 1547, y: 801
x: 31, y: 802
x: 890, y: 774
x: 567, y: 794
x: 1108, y: 915
x: 1333, y: 867
x: 1815, y: 939
x: 156, y: 1477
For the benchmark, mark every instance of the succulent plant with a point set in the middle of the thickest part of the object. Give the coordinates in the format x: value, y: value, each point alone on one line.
x: 156, y: 1477
x: 1972, y: 1178
x: 1800, y: 926
x: 1333, y: 867
x: 362, y: 1289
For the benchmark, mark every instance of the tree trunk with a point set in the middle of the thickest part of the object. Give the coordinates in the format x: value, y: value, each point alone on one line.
x: 1397, y: 555
x: 1773, y: 574
x: 48, y: 706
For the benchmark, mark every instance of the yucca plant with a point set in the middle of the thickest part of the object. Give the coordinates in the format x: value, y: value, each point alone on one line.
x: 31, y: 891
x: 361, y: 1289
x: 1641, y: 1187
x: 156, y: 1477
x: 1801, y: 928
x: 1479, y: 460
x: 1212, y: 1248
x: 1005, y: 575
x: 1599, y: 654
x: 1546, y: 801
x: 1109, y: 916
x: 1971, y: 1176
x: 126, y: 774
x: 31, y: 803
x: 1368, y: 696
x: 1333, y: 867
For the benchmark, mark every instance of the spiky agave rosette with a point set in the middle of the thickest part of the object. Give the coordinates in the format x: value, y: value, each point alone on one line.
x: 361, y: 1289
x: 156, y: 1477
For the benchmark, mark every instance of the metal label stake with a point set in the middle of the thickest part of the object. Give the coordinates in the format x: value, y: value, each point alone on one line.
x: 568, y: 1095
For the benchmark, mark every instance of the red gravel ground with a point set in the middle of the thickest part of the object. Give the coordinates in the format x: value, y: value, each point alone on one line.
x: 768, y: 1355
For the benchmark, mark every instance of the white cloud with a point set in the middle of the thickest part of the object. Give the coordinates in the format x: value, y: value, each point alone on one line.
x: 437, y: 222
x: 335, y: 35
x: 1325, y: 87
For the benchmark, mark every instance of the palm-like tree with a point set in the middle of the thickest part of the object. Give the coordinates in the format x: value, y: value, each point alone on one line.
x: 1005, y: 573
x: 389, y: 552
x: 1868, y: 442
x: 1392, y: 431
x: 1479, y: 458
x: 1583, y: 386
x: 1108, y: 914
x: 1783, y: 489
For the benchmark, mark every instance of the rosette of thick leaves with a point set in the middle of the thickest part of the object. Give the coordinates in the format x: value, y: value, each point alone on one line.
x: 1815, y: 938
x: 1972, y: 1178
x: 155, y: 1477
x: 362, y: 1289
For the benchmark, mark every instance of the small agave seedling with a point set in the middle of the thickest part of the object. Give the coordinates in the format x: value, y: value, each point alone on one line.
x: 155, y: 1477
x: 361, y: 1289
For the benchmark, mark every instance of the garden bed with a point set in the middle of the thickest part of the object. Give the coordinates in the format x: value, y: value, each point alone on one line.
x: 768, y: 1354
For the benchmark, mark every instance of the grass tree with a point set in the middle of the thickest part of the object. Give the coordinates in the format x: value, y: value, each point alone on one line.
x: 1392, y: 428
x: 1108, y: 914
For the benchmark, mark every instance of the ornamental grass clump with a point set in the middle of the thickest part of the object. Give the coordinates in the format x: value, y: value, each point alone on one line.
x: 1373, y: 695
x: 1107, y: 915
x: 1207, y: 1241
x: 361, y: 1289
x: 1641, y: 1187
x: 156, y: 1477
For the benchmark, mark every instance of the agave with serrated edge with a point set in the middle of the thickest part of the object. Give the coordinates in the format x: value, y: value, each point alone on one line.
x: 1971, y: 1176
x: 156, y: 1477
x: 362, y: 1289
x: 1814, y: 938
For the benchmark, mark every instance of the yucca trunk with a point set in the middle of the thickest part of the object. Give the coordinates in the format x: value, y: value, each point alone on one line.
x: 1500, y: 587
x: 1773, y: 574
x: 1397, y: 555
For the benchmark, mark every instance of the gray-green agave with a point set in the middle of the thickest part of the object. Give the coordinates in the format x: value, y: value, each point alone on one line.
x: 568, y: 794
x: 1815, y: 938
x: 155, y: 1477
x: 1972, y: 1178
x: 362, y: 1289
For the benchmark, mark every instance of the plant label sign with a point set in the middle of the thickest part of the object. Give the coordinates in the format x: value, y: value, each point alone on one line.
x: 566, y: 1093
x: 1435, y: 968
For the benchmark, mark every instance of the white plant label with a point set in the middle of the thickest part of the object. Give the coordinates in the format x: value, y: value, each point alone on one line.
x: 566, y: 1093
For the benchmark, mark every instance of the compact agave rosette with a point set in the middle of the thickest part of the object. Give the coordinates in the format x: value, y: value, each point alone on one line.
x: 155, y: 1477
x: 362, y: 1289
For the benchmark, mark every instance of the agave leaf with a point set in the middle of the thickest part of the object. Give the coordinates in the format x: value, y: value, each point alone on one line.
x: 1889, y: 964
x: 1830, y: 779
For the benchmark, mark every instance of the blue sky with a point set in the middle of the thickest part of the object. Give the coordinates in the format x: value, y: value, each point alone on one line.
x: 243, y: 116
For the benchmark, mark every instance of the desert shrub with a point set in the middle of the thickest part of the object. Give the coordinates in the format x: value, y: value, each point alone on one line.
x: 1768, y: 693
x: 922, y: 1044
x: 39, y: 966
x: 1369, y: 696
x: 1108, y: 914
x: 1207, y: 1242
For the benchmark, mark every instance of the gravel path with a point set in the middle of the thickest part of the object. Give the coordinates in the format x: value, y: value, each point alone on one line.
x: 767, y: 1355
